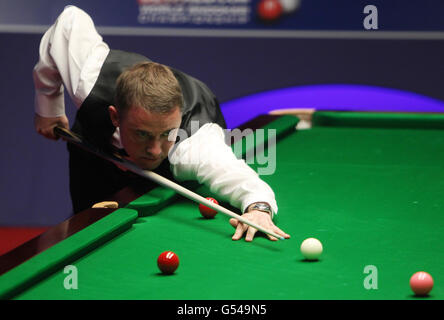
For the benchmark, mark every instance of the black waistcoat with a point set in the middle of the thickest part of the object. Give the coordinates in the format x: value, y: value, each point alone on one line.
x: 94, y: 124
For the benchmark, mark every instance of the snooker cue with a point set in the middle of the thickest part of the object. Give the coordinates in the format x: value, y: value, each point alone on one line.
x: 71, y: 137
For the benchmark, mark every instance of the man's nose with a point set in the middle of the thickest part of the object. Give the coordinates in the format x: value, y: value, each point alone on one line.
x: 154, y: 147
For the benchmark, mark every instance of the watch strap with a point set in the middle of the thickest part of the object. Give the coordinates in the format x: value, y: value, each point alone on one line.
x: 261, y: 206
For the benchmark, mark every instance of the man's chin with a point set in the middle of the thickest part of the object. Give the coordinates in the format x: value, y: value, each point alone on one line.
x: 146, y: 164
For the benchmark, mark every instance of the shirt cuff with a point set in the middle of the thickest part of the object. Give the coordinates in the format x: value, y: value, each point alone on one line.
x: 50, y: 106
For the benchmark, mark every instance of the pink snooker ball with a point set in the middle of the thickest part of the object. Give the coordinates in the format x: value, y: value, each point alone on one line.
x: 421, y: 283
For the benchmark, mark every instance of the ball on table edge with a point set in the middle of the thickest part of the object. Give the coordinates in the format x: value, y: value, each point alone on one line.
x: 168, y: 262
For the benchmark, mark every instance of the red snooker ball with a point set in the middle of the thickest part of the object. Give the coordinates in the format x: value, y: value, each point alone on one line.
x: 421, y: 283
x: 269, y: 10
x: 206, y: 212
x: 168, y: 262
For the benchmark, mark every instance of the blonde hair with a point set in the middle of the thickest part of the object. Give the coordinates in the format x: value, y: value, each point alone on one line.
x: 149, y: 85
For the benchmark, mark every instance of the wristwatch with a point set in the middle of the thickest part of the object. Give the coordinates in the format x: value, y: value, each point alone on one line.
x: 260, y: 206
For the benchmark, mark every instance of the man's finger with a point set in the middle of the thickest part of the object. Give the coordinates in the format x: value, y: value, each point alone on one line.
x: 234, y: 222
x: 250, y: 234
x: 49, y: 135
x: 281, y: 233
x: 239, y: 231
x: 271, y: 238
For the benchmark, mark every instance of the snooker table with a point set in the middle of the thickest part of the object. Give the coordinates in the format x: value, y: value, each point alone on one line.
x: 369, y: 186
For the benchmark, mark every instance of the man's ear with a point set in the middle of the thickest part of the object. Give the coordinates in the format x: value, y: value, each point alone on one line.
x: 114, y: 115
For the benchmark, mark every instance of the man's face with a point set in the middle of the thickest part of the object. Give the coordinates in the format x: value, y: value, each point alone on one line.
x: 144, y: 135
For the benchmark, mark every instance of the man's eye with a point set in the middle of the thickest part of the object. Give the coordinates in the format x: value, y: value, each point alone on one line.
x: 142, y: 134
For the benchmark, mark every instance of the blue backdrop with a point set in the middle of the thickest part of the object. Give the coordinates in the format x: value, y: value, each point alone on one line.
x: 394, y: 15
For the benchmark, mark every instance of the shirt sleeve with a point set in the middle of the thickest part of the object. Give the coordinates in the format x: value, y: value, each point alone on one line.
x: 71, y: 54
x: 206, y: 157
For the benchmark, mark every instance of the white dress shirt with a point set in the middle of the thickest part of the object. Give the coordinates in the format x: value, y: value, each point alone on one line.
x: 71, y: 56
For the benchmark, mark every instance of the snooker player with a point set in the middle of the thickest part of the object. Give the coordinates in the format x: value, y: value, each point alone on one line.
x: 129, y: 104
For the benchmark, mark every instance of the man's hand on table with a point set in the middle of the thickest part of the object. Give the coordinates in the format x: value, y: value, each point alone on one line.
x: 260, y: 218
x: 45, y: 126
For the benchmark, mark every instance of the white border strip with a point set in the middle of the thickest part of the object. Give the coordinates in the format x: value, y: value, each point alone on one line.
x: 242, y: 33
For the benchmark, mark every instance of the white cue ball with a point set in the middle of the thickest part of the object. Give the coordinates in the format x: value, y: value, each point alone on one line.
x: 289, y: 6
x: 311, y: 248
